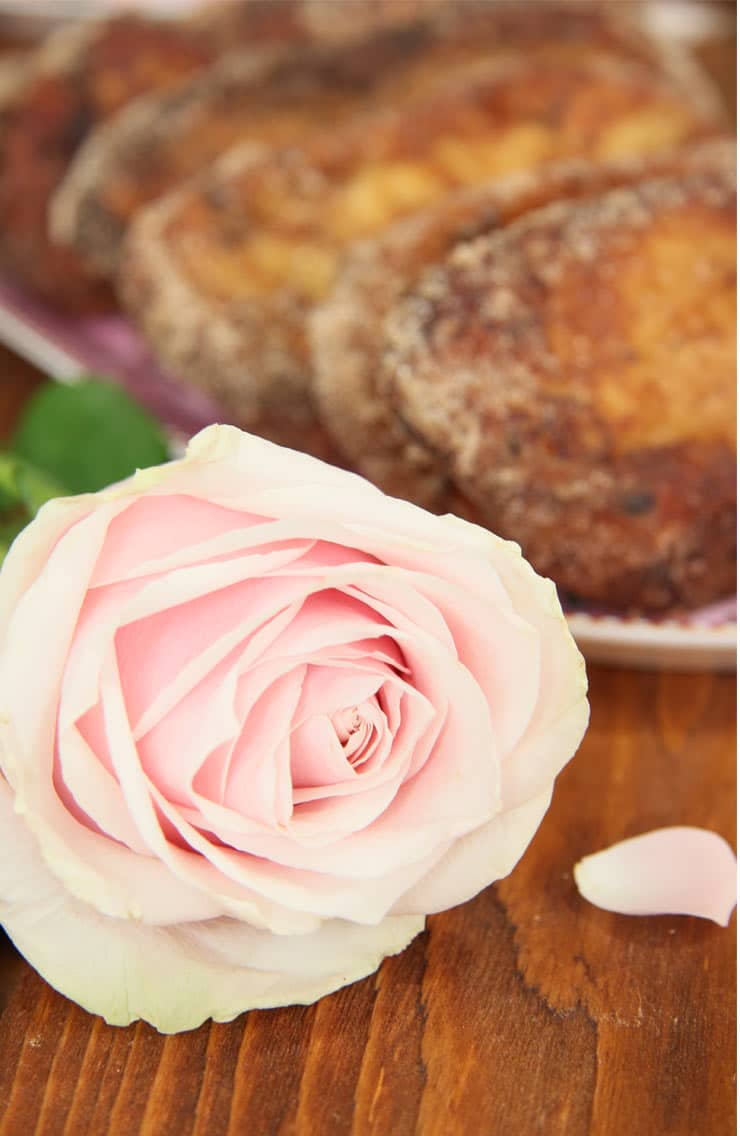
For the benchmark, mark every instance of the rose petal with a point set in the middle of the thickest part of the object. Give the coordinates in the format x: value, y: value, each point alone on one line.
x: 488, y: 853
x: 267, y: 896
x: 218, y: 605
x: 410, y: 599
x: 226, y: 465
x: 100, y: 871
x: 31, y: 549
x: 258, y: 786
x: 560, y: 715
x: 511, y: 680
x: 255, y: 677
x: 172, y: 753
x: 174, y: 627
x: 260, y: 464
x: 669, y: 871
x: 316, y: 755
x: 447, y: 798
x: 90, y: 790
x: 177, y: 977
x: 326, y: 619
x: 93, y: 867
x: 246, y: 886
x: 311, y: 837
x: 42, y: 625
x: 216, y: 872
x: 329, y: 689
x: 145, y: 534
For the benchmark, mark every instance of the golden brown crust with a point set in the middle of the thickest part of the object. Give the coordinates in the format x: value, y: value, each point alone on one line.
x: 269, y: 97
x: 347, y: 330
x: 149, y: 151
x: 216, y: 344
x: 576, y: 372
x: 221, y: 275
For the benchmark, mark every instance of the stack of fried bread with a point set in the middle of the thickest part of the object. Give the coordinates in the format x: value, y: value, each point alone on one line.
x: 84, y: 76
x: 481, y: 251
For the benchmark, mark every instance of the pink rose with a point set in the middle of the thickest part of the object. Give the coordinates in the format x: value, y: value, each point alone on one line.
x: 256, y: 720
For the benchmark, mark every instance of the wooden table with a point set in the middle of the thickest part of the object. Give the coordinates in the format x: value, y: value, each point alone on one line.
x: 524, y: 1011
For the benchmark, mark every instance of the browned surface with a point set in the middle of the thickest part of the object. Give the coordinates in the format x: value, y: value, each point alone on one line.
x: 279, y: 221
x: 524, y: 1011
x: 220, y: 275
x: 577, y: 372
x: 348, y: 330
x: 141, y: 157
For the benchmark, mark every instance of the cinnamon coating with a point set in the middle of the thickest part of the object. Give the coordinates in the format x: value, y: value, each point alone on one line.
x: 222, y: 274
x: 140, y: 155
x: 347, y: 330
x: 574, y: 373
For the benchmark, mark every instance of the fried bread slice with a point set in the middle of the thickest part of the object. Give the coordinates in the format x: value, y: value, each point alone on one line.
x: 574, y: 373
x: 221, y: 274
x: 348, y: 333
x: 82, y: 77
x: 164, y: 139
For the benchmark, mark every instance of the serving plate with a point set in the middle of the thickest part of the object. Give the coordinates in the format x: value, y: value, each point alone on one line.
x: 66, y: 347
x: 691, y: 643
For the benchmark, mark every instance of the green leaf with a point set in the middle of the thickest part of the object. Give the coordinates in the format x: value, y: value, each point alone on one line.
x: 23, y: 486
x: 88, y: 435
x: 23, y: 490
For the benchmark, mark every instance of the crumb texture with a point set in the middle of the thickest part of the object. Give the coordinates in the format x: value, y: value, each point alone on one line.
x: 574, y: 374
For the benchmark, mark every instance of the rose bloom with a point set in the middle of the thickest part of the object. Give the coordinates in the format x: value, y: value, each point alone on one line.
x: 257, y: 720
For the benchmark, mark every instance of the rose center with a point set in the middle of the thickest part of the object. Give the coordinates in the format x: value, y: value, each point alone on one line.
x: 346, y: 722
x: 355, y: 731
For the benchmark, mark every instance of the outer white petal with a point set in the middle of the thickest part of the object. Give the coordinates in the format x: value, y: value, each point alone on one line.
x: 487, y: 854
x: 268, y: 465
x: 669, y: 871
x: 561, y: 715
x: 175, y: 978
x: 30, y: 549
x: 239, y: 470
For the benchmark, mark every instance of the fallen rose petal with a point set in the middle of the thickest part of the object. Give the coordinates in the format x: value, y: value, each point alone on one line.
x: 669, y: 871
